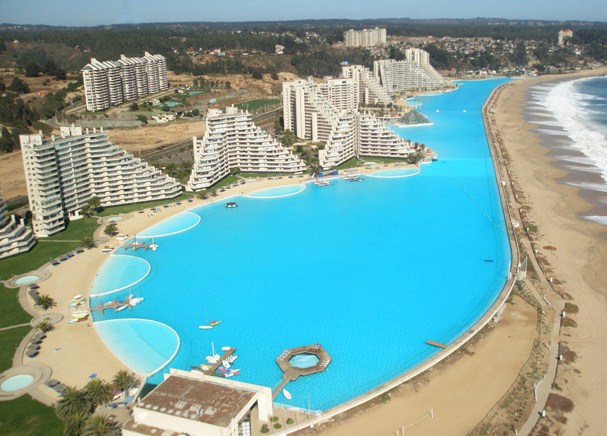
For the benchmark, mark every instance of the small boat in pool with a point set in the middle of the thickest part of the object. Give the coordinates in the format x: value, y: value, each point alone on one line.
x: 214, y: 323
x: 287, y: 394
x: 226, y: 348
x: 231, y: 204
x: 205, y: 327
x: 119, y: 308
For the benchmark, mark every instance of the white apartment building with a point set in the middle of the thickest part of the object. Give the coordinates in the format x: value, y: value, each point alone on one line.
x: 15, y: 236
x: 365, y: 37
x: 111, y: 83
x: 564, y: 35
x: 63, y: 173
x: 316, y: 112
x: 232, y: 140
x: 368, y: 88
x: 415, y: 73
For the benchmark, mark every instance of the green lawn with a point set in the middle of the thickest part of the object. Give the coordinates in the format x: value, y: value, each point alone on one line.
x: 48, y: 248
x: 350, y: 163
x: 9, y: 339
x: 11, y: 312
x: 128, y: 208
x: 27, y: 417
x: 254, y: 105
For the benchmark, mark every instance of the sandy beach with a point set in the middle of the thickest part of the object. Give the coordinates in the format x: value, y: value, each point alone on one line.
x: 459, y: 394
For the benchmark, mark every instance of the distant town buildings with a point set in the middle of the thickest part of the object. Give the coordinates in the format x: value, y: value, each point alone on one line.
x: 365, y: 37
x: 15, y: 236
x: 63, y: 173
x: 564, y: 35
x: 412, y: 74
x: 190, y: 403
x: 328, y: 112
x: 111, y: 83
x: 232, y: 140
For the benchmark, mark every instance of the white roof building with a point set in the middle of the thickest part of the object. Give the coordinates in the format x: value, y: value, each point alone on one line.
x: 64, y: 173
x: 15, y: 236
x: 232, y: 140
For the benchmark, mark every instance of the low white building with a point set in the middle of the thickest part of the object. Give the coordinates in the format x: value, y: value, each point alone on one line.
x: 196, y: 404
x: 232, y: 140
x: 15, y: 236
x: 63, y: 173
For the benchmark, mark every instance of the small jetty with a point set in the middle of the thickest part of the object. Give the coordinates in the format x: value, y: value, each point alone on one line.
x: 436, y: 344
x: 291, y: 373
x: 212, y: 369
x: 117, y: 305
x: 137, y: 245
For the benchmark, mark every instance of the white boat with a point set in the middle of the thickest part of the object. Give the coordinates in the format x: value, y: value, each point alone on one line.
x: 232, y: 358
x: 134, y: 301
x: 212, y: 359
x: 119, y: 308
x: 225, y: 364
x: 205, y: 327
x: 287, y: 394
x: 226, y: 348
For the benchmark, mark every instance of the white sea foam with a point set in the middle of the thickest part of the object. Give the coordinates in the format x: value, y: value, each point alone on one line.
x: 599, y: 219
x: 586, y: 169
x: 573, y: 115
x: 599, y: 187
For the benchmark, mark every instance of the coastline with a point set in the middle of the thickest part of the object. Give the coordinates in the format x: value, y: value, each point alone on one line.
x: 69, y: 286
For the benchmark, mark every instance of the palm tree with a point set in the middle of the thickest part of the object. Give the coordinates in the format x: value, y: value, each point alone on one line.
x: 45, y: 326
x: 88, y: 242
x: 98, y: 391
x: 73, y: 401
x: 124, y: 380
x: 75, y: 424
x: 101, y: 426
x: 45, y: 302
x: 111, y: 229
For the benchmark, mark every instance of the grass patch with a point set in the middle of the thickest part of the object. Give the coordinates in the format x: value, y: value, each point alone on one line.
x: 255, y: 175
x: 571, y: 308
x: 48, y: 249
x: 559, y: 403
x: 128, y: 208
x: 9, y: 339
x: 25, y: 416
x: 227, y: 180
x: 254, y: 105
x: 11, y: 312
x: 568, y: 322
x: 350, y: 163
x: 385, y: 160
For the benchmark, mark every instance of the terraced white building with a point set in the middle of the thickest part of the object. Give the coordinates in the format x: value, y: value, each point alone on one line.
x: 369, y: 90
x: 15, y: 236
x: 313, y: 111
x: 232, y: 140
x: 415, y: 73
x: 63, y: 173
x: 111, y: 83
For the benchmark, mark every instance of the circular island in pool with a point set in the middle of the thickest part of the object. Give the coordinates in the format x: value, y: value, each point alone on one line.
x: 372, y: 270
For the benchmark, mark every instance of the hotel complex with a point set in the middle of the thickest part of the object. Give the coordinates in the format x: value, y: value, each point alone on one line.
x: 412, y: 74
x: 365, y: 37
x: 328, y: 112
x: 64, y: 173
x: 232, y: 140
x: 15, y: 236
x: 111, y: 83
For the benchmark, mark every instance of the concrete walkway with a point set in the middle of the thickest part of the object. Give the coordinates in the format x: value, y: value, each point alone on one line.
x: 14, y: 326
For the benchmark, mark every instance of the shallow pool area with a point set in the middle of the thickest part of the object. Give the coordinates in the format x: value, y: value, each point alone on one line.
x: 119, y: 272
x: 16, y: 382
x: 181, y: 222
x: 26, y: 280
x: 369, y: 270
x: 278, y: 191
x: 395, y: 173
x: 303, y: 360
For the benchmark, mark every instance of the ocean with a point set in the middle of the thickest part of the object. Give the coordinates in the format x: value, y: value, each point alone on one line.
x: 571, y: 119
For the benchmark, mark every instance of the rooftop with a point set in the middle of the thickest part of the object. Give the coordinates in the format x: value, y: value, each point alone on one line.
x: 197, y: 400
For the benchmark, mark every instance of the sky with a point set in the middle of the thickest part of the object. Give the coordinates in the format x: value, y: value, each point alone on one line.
x: 103, y: 12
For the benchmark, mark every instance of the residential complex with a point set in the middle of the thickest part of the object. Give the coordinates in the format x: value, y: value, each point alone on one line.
x: 368, y: 87
x: 365, y: 37
x: 15, y: 236
x: 328, y: 112
x: 232, y: 140
x: 110, y: 83
x: 412, y: 74
x: 63, y: 173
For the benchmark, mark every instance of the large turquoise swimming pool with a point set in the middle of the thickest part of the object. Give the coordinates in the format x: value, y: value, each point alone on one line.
x: 370, y: 270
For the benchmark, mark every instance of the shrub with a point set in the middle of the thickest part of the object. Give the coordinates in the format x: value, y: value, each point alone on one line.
x: 265, y: 428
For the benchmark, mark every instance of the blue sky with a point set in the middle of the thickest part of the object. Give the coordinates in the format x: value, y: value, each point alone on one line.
x: 96, y: 12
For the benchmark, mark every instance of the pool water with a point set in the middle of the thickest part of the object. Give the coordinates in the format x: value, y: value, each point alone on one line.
x: 371, y: 270
x: 16, y: 382
x: 303, y: 360
x: 279, y: 191
x: 26, y: 280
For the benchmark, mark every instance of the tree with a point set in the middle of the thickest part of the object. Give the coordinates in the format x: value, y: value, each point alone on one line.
x: 91, y: 207
x: 102, y: 426
x: 111, y: 229
x: 98, y: 392
x: 124, y: 380
x: 73, y: 401
x: 134, y: 106
x: 88, y: 242
x: 45, y: 302
x: 195, y: 112
x: 18, y: 86
x: 274, y: 76
x: 142, y: 118
x: 6, y: 141
x: 234, y: 171
x: 75, y: 424
x: 45, y: 326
